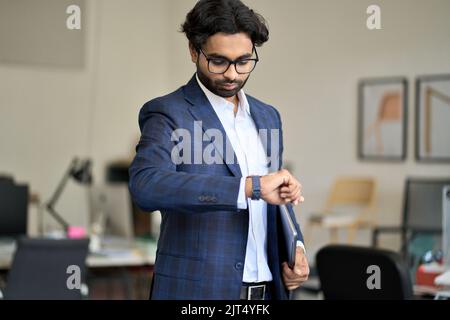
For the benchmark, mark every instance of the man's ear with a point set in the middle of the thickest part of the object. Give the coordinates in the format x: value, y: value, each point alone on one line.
x: 193, y: 52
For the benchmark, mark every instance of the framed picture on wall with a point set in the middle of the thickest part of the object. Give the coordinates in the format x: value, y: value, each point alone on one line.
x: 433, y: 118
x: 382, y: 119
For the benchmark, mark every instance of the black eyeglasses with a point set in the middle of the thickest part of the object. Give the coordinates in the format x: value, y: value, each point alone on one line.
x: 219, y: 65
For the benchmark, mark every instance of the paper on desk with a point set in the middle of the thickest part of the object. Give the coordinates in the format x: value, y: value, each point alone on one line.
x: 110, y: 252
x: 443, y: 279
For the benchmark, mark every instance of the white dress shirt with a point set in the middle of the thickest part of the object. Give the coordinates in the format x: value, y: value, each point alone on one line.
x: 243, y: 136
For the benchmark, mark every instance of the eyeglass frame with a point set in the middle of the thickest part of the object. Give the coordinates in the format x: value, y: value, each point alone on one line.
x: 234, y: 62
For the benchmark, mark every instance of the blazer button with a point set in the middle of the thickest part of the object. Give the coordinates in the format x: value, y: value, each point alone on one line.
x: 201, y: 198
x: 214, y: 200
x: 239, y: 265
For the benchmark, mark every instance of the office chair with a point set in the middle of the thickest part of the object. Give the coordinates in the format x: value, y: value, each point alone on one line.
x: 39, y: 270
x: 344, y: 273
x: 350, y: 205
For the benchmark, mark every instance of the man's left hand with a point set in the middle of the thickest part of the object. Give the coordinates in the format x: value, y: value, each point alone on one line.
x: 293, y: 278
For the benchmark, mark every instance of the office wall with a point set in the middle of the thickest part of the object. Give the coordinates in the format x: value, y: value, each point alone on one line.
x: 50, y: 114
x: 44, y: 106
x: 132, y: 67
x: 309, y: 70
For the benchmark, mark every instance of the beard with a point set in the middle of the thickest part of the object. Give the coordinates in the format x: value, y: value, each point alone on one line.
x: 217, y: 86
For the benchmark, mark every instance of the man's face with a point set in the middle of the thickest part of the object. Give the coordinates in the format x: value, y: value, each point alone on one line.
x: 221, y: 45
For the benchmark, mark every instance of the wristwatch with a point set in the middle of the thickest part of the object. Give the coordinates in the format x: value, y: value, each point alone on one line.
x: 256, y: 188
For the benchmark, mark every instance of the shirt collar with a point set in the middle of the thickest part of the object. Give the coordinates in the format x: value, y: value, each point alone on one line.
x: 216, y: 100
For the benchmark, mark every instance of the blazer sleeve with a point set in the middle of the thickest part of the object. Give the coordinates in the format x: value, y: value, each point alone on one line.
x: 155, y: 183
x: 289, y: 206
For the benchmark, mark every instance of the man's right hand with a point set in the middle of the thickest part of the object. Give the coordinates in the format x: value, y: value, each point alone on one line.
x: 278, y: 188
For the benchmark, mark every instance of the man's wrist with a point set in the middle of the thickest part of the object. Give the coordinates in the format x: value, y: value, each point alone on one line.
x: 248, y: 187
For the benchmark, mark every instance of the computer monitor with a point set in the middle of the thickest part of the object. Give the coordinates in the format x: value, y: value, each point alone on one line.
x: 423, y: 203
x: 13, y: 209
x: 423, y: 224
x: 111, y: 206
x: 446, y: 224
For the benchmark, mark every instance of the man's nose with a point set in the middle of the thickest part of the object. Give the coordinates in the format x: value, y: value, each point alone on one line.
x: 231, y: 73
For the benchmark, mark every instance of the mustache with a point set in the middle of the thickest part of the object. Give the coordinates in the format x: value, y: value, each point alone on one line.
x: 222, y: 82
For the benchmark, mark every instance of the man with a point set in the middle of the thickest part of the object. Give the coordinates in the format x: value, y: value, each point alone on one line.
x: 220, y: 232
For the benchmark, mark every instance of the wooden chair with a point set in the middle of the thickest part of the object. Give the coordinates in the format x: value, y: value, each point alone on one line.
x: 350, y: 205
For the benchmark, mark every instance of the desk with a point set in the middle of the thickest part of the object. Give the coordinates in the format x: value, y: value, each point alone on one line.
x: 140, y: 253
x: 130, y: 264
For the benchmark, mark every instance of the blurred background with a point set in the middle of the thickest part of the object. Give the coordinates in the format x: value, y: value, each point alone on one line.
x: 77, y: 93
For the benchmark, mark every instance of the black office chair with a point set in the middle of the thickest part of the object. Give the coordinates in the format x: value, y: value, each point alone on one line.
x: 40, y: 269
x: 343, y: 273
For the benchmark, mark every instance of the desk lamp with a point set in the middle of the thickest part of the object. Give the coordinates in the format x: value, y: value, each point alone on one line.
x: 80, y: 171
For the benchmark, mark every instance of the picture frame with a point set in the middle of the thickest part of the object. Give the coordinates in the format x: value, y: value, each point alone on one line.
x: 432, y: 125
x: 382, y: 119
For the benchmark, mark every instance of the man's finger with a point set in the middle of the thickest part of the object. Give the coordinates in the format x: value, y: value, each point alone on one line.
x: 285, y: 178
x: 289, y: 273
x: 286, y: 268
x: 293, y: 195
x: 294, y: 188
x: 296, y: 196
x: 284, y: 195
x: 298, y: 270
x: 293, y: 191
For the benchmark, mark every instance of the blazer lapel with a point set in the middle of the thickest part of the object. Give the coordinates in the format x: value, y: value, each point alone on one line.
x: 202, y: 111
x: 263, y: 122
x: 264, y: 127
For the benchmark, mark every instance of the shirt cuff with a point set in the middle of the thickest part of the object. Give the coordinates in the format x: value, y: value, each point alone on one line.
x: 300, y: 244
x: 242, y: 200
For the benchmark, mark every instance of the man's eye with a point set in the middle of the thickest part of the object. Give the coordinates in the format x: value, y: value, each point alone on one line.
x: 243, y: 62
x: 219, y: 62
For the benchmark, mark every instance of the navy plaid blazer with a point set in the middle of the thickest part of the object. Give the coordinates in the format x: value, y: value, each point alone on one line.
x: 203, y: 238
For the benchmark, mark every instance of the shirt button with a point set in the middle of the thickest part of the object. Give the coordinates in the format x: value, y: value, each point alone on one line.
x: 239, y: 266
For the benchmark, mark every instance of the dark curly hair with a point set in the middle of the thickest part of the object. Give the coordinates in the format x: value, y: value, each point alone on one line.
x: 209, y: 17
